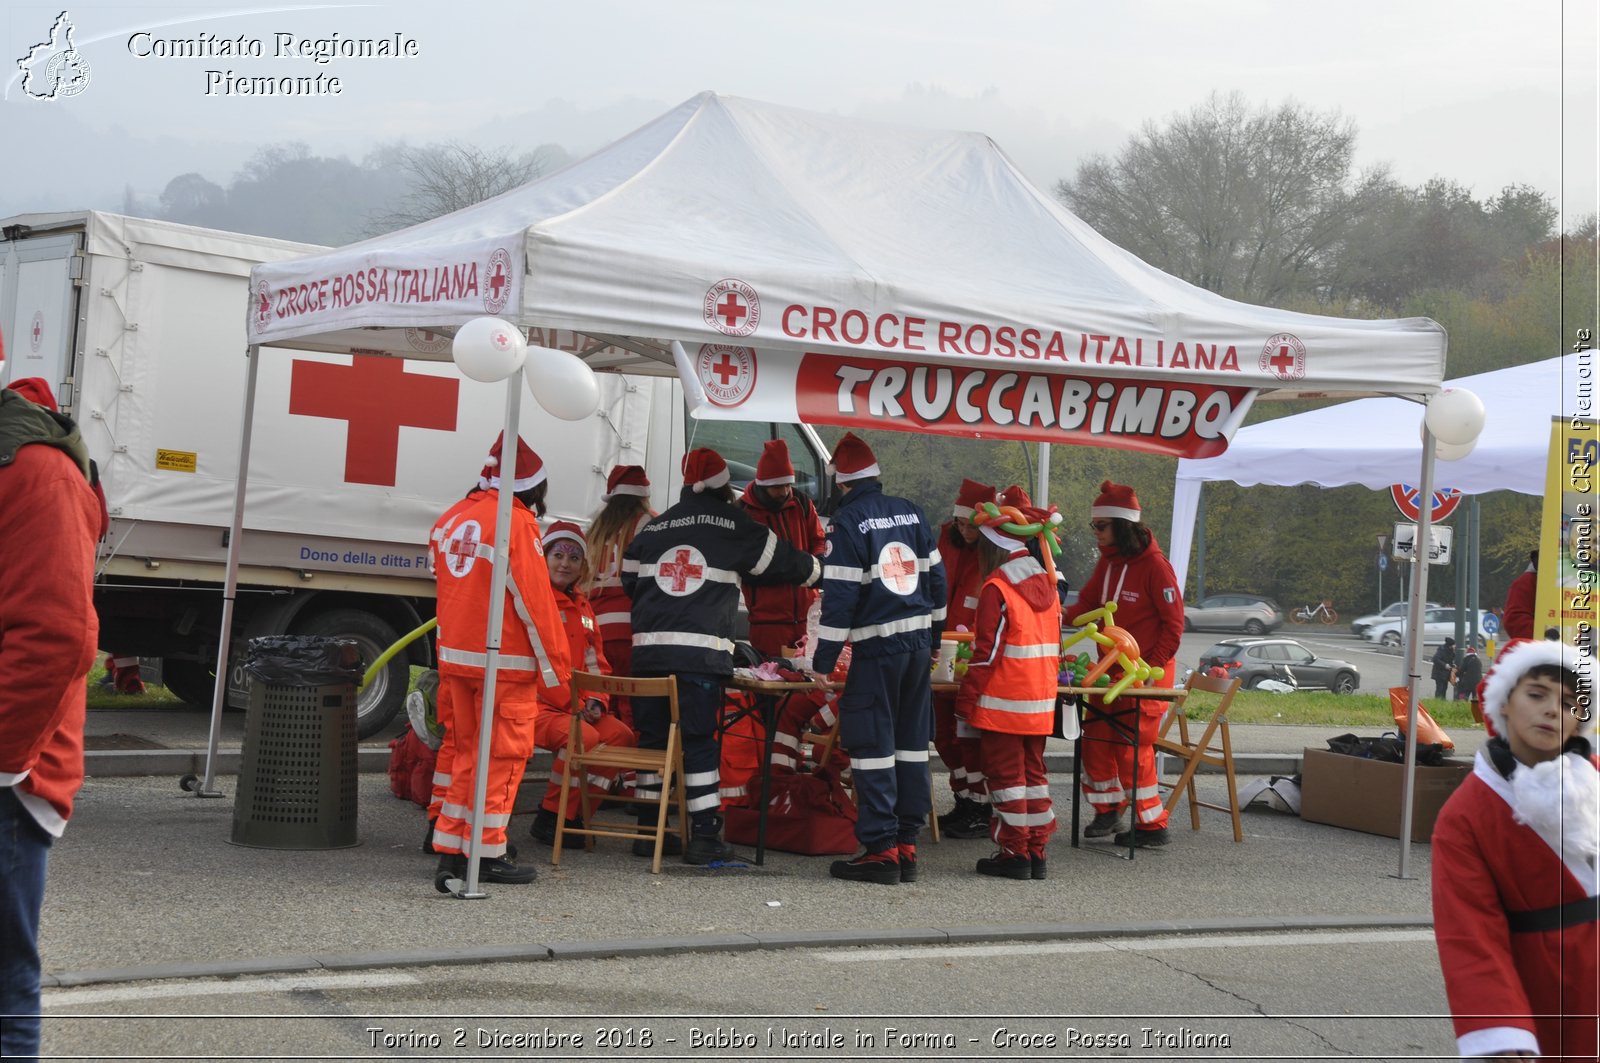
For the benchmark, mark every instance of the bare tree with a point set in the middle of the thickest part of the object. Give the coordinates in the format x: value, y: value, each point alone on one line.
x: 446, y: 177
x: 1246, y: 203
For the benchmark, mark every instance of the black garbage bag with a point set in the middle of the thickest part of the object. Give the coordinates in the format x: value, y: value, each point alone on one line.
x: 1390, y: 748
x: 303, y: 660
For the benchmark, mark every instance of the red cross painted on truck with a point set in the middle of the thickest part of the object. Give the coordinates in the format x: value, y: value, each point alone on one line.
x: 378, y: 398
x: 686, y: 565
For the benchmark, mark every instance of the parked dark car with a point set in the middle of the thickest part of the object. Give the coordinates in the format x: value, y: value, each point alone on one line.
x: 1253, y: 660
x: 1249, y: 613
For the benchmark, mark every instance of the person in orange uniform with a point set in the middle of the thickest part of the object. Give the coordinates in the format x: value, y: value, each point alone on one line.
x: 626, y: 510
x: 1134, y: 573
x: 1009, y: 695
x: 564, y: 553
x: 778, y: 610
x: 533, y: 663
x: 956, y: 741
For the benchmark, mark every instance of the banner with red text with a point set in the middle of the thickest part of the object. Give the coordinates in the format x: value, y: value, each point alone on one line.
x: 1187, y: 419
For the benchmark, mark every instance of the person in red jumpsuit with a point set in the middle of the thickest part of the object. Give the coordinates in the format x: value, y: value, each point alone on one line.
x: 1009, y: 695
x: 1514, y: 894
x: 1133, y: 573
x: 956, y: 740
x: 564, y: 554
x: 778, y: 610
x: 534, y: 663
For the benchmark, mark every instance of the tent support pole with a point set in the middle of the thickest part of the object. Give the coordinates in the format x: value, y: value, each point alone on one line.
x: 497, y: 608
x: 1414, y: 639
x: 1041, y: 487
x: 230, y: 584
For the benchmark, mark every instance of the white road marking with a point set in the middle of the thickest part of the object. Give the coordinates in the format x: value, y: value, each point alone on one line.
x: 61, y: 998
x: 1265, y: 939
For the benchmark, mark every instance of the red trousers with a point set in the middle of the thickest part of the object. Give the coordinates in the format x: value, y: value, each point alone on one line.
x: 510, y: 745
x: 552, y: 730
x: 1108, y: 766
x: 442, y: 709
x: 1019, y: 788
x: 961, y: 755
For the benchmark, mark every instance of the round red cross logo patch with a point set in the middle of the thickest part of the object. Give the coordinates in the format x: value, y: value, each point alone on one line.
x: 681, y: 571
x: 427, y: 341
x: 461, y: 548
x: 897, y: 568
x: 36, y: 331
x: 732, y: 307
x: 263, y: 305
x: 1284, y: 356
x: 728, y: 374
x: 497, y: 281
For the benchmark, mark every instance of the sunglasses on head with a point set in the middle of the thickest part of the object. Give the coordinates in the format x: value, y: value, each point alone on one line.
x: 1099, y: 525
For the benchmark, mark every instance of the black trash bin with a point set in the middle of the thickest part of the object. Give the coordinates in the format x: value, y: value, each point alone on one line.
x: 297, y: 773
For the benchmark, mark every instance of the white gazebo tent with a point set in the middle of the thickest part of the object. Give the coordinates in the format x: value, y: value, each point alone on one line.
x: 804, y: 267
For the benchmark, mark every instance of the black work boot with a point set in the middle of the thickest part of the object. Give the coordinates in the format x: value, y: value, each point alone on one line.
x: 1144, y: 839
x: 907, y: 854
x: 1006, y: 865
x: 671, y: 844
x: 1105, y: 823
x: 961, y: 810
x: 451, y: 866
x: 1038, y: 865
x: 882, y: 867
x: 427, y: 839
x: 974, y: 825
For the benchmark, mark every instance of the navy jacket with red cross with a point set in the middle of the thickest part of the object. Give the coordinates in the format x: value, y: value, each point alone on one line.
x: 684, y: 571
x: 882, y: 580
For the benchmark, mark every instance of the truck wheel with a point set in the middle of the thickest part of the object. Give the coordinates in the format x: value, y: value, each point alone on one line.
x: 191, y: 681
x: 377, y: 704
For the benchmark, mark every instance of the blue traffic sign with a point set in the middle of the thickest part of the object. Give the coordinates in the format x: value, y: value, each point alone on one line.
x: 1383, y: 562
x: 1489, y: 625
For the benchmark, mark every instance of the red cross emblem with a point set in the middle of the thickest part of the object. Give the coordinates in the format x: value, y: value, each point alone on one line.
x: 38, y: 333
x: 377, y: 397
x: 497, y: 279
x: 724, y: 369
x: 683, y: 574
x: 732, y: 307
x: 727, y: 373
x: 1284, y: 356
x: 461, y: 549
x: 897, y: 564
x: 497, y: 292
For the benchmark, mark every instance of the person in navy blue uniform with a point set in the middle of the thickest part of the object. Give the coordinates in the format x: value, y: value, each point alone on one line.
x: 883, y: 591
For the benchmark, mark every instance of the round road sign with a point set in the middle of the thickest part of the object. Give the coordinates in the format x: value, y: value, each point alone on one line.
x: 1445, y: 501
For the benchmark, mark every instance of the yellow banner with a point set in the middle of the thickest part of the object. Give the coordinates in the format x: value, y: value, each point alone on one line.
x: 1566, y: 598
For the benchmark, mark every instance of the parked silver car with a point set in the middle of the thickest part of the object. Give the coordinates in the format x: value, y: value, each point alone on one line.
x: 1250, y: 613
x: 1438, y: 624
x: 1392, y: 611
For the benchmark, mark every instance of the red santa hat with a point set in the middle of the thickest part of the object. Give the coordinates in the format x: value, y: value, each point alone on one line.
x: 36, y: 390
x: 704, y: 469
x: 626, y: 480
x: 1015, y: 496
x: 565, y: 530
x: 1520, y: 657
x: 529, y: 471
x: 853, y: 459
x: 972, y: 495
x: 774, y: 468
x: 1116, y: 500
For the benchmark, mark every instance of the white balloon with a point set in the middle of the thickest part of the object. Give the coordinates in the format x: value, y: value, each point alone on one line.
x: 1455, y: 416
x: 562, y: 383
x: 1453, y: 451
x: 489, y: 349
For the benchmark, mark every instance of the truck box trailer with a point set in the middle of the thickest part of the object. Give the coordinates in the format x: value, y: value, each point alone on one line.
x: 139, y: 326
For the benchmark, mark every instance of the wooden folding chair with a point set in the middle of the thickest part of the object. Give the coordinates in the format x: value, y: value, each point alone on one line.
x: 668, y: 763
x: 1201, y: 751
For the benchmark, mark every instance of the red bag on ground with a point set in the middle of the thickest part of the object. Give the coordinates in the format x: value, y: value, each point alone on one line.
x: 411, y: 768
x: 808, y: 813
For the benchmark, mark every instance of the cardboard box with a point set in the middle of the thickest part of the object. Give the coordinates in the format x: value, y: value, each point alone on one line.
x: 1364, y: 795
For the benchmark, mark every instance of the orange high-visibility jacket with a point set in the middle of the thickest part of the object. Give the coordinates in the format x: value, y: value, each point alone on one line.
x: 533, y: 643
x: 1010, y: 686
x: 584, y: 647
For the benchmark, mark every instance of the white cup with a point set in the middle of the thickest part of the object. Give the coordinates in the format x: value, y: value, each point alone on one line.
x: 944, y: 669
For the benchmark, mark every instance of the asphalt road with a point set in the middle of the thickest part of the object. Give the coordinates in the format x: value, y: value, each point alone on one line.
x: 1361, y: 994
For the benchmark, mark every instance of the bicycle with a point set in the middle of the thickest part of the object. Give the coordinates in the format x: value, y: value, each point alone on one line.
x: 1323, y: 612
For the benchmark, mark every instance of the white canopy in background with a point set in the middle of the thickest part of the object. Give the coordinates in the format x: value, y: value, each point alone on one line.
x: 795, y: 255
x: 1376, y: 443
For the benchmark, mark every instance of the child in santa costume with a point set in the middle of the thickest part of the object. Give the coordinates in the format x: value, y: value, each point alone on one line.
x: 1514, y: 897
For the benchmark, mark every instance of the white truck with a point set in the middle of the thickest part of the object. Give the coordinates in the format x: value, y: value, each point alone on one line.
x: 139, y: 327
